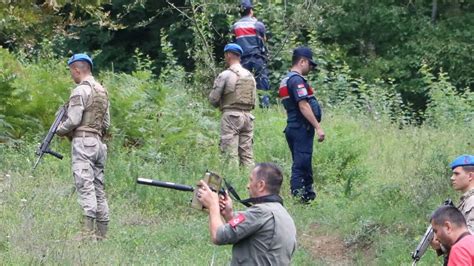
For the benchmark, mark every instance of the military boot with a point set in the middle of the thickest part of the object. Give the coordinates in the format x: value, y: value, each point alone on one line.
x: 101, y: 230
x: 87, y: 231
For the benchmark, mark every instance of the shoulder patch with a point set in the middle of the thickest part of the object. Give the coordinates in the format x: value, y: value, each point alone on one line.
x: 237, y: 220
x: 75, y: 100
x: 301, y: 90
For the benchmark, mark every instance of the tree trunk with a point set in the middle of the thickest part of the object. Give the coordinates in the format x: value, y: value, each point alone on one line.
x: 434, y: 11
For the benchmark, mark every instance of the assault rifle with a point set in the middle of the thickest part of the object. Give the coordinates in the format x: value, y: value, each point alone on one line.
x: 426, y: 239
x: 213, y: 180
x: 44, y: 146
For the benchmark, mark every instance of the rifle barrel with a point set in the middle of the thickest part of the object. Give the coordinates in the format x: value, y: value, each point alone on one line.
x: 157, y: 183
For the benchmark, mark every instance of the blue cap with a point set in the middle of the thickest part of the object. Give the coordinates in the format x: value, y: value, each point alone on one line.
x: 79, y: 57
x: 305, y: 52
x: 246, y: 4
x: 462, y: 160
x: 233, y: 47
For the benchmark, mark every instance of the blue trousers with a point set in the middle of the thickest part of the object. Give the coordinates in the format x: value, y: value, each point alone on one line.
x: 258, y: 66
x: 300, y: 140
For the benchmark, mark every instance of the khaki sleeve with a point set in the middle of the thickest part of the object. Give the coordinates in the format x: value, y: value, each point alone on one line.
x: 469, y: 213
x: 75, y: 109
x: 107, y: 117
x: 242, y: 225
x: 218, y: 89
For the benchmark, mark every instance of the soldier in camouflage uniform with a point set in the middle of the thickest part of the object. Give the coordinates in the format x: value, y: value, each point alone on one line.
x: 462, y: 180
x: 87, y: 120
x: 265, y: 233
x: 234, y: 92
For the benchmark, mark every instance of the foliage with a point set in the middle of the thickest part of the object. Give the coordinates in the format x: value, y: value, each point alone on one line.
x: 397, y: 177
x: 381, y: 42
x: 378, y: 174
x: 446, y: 104
x: 32, y: 93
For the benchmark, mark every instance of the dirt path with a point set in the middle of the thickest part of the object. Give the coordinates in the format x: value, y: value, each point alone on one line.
x: 327, y: 249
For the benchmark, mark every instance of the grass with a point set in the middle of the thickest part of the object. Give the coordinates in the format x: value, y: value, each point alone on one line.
x: 376, y: 186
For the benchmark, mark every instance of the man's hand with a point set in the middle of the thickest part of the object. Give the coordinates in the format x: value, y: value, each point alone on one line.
x: 436, y: 245
x: 207, y: 197
x: 225, y: 205
x: 321, y: 134
x: 210, y: 200
x: 307, y: 112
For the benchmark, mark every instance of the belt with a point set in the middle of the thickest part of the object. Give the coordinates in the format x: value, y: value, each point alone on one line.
x: 85, y: 134
x: 235, y: 110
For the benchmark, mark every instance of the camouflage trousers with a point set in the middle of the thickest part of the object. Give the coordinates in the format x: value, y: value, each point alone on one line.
x: 237, y: 136
x: 88, y: 161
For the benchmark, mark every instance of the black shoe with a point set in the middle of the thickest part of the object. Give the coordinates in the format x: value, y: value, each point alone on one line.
x: 298, y: 192
x: 303, y: 196
x: 308, y: 194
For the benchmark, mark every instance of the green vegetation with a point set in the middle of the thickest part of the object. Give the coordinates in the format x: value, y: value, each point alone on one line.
x: 386, y: 41
x: 377, y: 180
x: 379, y: 174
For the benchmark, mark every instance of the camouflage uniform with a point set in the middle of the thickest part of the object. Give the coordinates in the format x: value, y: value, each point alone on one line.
x: 87, y: 119
x: 466, y: 206
x: 265, y: 234
x: 235, y: 104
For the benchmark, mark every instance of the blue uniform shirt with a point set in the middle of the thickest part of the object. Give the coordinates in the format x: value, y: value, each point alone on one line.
x: 249, y: 33
x: 293, y: 89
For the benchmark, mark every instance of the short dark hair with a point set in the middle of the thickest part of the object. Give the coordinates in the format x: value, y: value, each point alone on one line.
x: 82, y: 65
x: 245, y: 11
x: 271, y: 174
x: 468, y: 168
x: 234, y: 53
x: 448, y: 213
x: 296, y: 58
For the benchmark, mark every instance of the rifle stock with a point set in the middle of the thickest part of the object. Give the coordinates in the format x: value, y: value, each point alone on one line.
x: 44, y: 146
x: 426, y: 240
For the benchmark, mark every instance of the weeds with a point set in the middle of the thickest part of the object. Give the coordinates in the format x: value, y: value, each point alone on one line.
x: 376, y: 180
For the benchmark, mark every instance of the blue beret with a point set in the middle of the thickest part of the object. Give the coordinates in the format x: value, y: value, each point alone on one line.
x: 246, y: 4
x: 233, y: 47
x: 79, y: 57
x: 462, y: 160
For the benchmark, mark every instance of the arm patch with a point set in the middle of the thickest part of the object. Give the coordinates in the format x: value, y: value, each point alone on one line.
x: 237, y: 220
x: 75, y: 100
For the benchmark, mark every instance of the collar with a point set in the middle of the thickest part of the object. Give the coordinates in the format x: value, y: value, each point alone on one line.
x: 235, y: 66
x: 88, y: 78
x: 467, y: 194
x: 461, y: 237
x: 299, y: 74
x: 263, y: 199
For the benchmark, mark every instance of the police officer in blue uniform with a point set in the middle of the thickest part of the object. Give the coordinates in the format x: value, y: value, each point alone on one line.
x: 250, y: 34
x: 304, y: 115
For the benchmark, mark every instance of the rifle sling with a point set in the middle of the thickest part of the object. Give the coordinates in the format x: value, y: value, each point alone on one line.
x: 234, y: 193
x: 250, y: 201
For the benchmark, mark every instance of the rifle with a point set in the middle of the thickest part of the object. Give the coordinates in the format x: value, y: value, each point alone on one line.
x: 426, y: 239
x: 213, y: 180
x: 44, y: 146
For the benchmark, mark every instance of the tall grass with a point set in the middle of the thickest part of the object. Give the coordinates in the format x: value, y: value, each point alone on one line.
x: 377, y: 178
x: 376, y: 186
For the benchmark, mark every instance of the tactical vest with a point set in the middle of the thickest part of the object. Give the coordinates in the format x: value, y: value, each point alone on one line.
x: 247, y: 37
x: 243, y: 95
x: 291, y: 107
x: 95, y: 109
